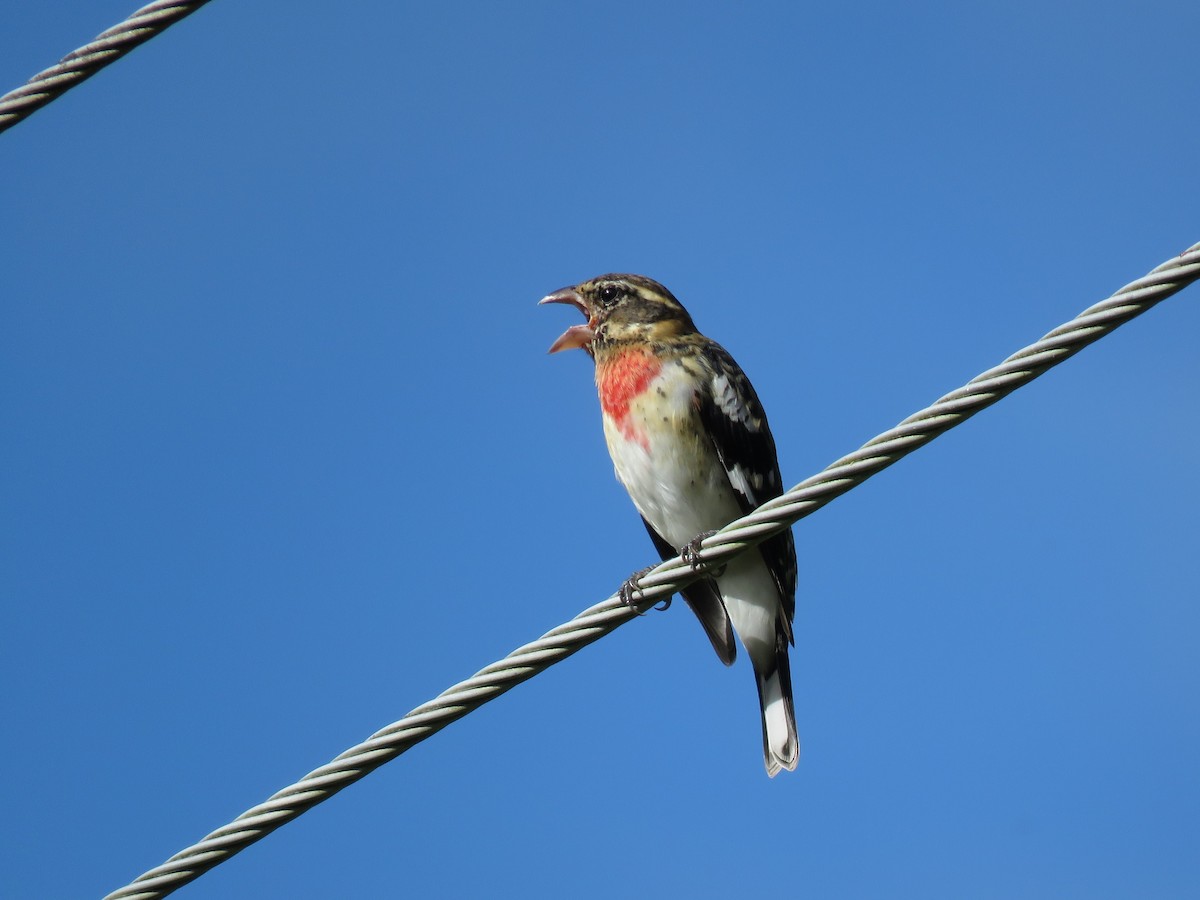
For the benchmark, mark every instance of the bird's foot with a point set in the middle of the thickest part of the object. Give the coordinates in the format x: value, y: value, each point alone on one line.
x: 691, y: 552
x: 631, y: 590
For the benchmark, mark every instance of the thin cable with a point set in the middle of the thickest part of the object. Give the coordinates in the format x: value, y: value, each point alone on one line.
x: 89, y: 59
x: 592, y: 624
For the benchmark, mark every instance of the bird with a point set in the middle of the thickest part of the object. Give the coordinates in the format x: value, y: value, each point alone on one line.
x: 689, y: 441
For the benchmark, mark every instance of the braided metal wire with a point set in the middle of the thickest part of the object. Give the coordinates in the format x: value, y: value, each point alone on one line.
x: 89, y: 59
x: 603, y: 618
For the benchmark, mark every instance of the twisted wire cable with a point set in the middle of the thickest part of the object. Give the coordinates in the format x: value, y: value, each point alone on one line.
x: 666, y: 579
x: 81, y: 64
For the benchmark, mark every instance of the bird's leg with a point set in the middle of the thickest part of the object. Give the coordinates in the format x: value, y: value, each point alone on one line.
x: 631, y: 587
x: 691, y: 552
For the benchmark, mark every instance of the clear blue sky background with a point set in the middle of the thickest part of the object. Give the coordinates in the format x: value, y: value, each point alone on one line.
x: 283, y: 455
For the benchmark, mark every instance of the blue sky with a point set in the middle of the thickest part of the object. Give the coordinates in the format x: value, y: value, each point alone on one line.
x: 283, y: 455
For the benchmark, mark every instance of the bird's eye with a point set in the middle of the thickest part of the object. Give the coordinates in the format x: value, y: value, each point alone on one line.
x: 608, y: 294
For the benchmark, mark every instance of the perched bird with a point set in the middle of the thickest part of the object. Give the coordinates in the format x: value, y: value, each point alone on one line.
x: 689, y: 441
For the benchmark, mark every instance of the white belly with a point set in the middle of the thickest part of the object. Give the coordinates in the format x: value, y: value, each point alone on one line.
x: 677, y: 482
x: 668, y: 465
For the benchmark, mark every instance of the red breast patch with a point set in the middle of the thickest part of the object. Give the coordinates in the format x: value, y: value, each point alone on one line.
x: 623, y: 378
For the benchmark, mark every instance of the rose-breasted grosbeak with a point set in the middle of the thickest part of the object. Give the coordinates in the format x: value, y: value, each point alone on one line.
x: 689, y: 440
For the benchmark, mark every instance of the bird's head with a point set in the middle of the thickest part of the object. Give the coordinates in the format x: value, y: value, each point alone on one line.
x: 620, y: 309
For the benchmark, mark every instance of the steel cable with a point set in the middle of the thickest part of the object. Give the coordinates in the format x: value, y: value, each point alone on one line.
x: 490, y: 682
x: 81, y: 64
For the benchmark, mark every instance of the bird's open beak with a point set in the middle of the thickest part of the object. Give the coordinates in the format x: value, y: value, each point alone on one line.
x: 577, y: 336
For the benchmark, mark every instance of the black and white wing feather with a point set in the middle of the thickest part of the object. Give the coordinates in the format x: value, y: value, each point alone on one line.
x: 734, y: 419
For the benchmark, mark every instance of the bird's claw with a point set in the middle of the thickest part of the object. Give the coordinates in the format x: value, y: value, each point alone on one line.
x: 631, y: 590
x: 691, y: 552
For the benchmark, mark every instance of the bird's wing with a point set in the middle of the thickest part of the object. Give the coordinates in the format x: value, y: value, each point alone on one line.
x: 734, y: 419
x: 705, y: 601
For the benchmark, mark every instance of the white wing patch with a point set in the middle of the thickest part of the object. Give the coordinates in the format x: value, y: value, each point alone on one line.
x: 747, y: 483
x: 729, y: 401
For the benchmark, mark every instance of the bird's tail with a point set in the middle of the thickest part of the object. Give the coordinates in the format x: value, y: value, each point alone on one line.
x: 781, y: 743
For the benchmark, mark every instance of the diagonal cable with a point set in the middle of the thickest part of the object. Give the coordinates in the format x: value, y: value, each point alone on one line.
x: 811, y: 494
x: 81, y: 64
